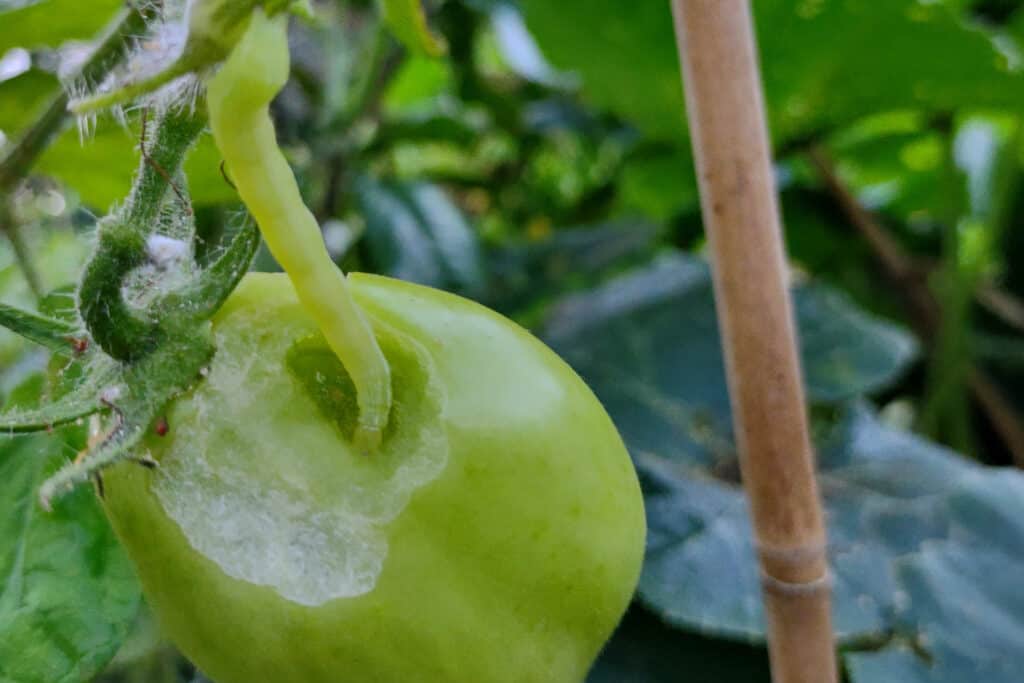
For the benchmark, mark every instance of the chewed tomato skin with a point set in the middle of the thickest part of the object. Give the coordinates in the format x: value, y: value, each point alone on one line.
x: 513, y: 562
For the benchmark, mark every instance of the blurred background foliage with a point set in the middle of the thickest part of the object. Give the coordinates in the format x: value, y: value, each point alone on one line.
x: 543, y: 168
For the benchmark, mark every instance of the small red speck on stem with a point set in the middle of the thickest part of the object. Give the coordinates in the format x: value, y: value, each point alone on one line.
x: 161, y: 427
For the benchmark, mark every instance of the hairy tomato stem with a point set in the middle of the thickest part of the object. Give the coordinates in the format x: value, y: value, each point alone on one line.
x: 121, y: 243
x: 131, y: 91
x: 239, y: 97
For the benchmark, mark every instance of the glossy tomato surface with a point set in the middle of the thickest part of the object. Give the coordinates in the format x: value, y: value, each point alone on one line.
x: 496, y: 536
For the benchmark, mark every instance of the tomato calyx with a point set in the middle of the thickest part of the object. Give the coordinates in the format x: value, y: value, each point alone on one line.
x: 141, y: 333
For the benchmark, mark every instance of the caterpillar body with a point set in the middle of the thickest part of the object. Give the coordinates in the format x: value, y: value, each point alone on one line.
x: 238, y: 98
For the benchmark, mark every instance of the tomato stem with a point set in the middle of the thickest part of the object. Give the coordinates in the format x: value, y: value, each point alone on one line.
x: 131, y: 91
x: 118, y: 329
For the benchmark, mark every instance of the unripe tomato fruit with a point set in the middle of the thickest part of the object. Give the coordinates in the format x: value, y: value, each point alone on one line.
x: 496, y: 536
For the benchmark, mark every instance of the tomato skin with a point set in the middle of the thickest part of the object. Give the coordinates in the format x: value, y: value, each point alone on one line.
x: 513, y: 565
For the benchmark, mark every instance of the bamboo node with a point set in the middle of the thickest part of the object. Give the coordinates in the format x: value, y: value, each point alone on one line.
x: 822, y: 584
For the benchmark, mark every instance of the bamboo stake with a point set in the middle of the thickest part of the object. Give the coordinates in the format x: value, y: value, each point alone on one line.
x: 740, y: 207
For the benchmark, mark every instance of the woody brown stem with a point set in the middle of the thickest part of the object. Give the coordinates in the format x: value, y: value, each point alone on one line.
x: 1002, y: 304
x: 902, y: 271
x: 740, y: 208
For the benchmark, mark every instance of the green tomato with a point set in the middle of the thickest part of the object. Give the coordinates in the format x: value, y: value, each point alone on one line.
x: 496, y: 535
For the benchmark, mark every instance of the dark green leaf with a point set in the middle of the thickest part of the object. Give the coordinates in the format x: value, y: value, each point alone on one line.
x: 965, y: 609
x: 409, y: 23
x: 657, y: 327
x: 898, y: 663
x: 889, y: 497
x: 824, y: 63
x: 22, y: 97
x: 660, y: 186
x: 414, y: 232
x: 441, y: 121
x: 921, y: 542
x: 820, y: 242
x: 49, y: 23
x: 525, y: 274
x: 69, y: 594
x: 648, y: 344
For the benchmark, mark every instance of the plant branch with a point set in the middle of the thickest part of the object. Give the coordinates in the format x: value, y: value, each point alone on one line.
x: 910, y: 280
x: 1003, y: 305
x: 945, y: 412
x: 730, y: 138
x: 904, y: 272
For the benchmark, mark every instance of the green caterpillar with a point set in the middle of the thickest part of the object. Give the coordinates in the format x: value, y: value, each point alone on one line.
x: 238, y: 97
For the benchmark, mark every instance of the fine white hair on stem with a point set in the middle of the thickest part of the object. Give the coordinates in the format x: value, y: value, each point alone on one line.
x: 86, y: 126
x: 157, y: 52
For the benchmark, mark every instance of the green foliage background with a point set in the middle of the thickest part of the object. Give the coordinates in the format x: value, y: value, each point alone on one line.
x: 542, y: 166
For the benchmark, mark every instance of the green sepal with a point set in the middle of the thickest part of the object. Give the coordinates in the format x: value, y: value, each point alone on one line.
x: 56, y: 335
x: 116, y: 447
x: 138, y: 396
x: 62, y: 411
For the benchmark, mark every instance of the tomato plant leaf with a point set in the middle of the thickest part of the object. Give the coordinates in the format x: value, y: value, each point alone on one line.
x: 49, y: 23
x: 846, y: 353
x: 524, y: 275
x: 69, y: 594
x: 414, y: 232
x: 890, y: 496
x: 884, y: 495
x: 818, y: 71
x: 895, y: 663
x: 442, y: 121
x: 22, y: 98
x: 967, y: 619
